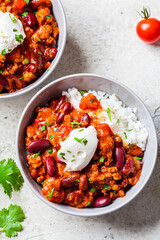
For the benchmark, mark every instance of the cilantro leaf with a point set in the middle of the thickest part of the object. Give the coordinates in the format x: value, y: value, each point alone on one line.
x: 10, y: 176
x: 10, y: 220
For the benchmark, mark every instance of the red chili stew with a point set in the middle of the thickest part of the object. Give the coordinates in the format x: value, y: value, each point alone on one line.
x: 111, y: 172
x: 26, y: 63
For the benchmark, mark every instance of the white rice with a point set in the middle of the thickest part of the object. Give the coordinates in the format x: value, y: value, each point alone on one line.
x: 129, y: 128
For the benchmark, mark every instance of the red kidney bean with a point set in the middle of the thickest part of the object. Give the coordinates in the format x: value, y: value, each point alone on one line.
x: 51, y: 166
x: 118, y: 142
x: 66, y: 108
x: 83, y: 185
x: 39, y: 145
x: 102, y: 201
x: 85, y: 120
x: 120, y: 157
x: 59, y: 103
x: 60, y: 118
x: 77, y: 197
x: 126, y: 170
x: 3, y: 81
x: 32, y: 68
x: 31, y: 20
x: 50, y: 53
x: 68, y: 182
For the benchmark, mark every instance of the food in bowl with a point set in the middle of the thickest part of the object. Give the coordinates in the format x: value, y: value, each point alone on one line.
x: 28, y: 42
x: 85, y: 148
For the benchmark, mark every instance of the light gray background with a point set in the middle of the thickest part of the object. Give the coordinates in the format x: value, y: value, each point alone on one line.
x: 102, y: 40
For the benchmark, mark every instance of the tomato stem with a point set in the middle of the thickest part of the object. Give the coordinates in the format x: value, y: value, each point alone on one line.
x: 145, y: 13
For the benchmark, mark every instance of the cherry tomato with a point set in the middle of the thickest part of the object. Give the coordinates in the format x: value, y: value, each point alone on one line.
x: 148, y: 29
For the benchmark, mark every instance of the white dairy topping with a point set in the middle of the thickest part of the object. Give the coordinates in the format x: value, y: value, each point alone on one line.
x: 11, y: 32
x: 78, y: 153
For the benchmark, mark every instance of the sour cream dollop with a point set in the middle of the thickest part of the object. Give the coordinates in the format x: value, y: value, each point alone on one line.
x: 11, y: 32
x: 78, y: 149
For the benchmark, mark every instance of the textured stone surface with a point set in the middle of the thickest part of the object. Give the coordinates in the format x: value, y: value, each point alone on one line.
x: 102, y: 40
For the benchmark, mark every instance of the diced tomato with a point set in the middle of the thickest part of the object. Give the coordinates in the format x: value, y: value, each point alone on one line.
x: 103, y: 130
x: 39, y: 121
x: 65, y: 131
x: 19, y: 3
x: 90, y: 102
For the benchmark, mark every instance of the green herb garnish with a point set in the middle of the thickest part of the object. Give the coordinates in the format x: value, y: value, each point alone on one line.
x: 81, y: 130
x: 77, y: 180
x: 19, y: 38
x: 101, y: 159
x: 125, y: 135
x: 24, y: 14
x: 81, y: 140
x: 78, y: 139
x: 27, y: 1
x: 114, y: 192
x: 43, y: 128
x: 130, y: 130
x: 105, y: 186
x: 109, y: 114
x: 50, y: 136
x: 88, y: 203
x: 47, y: 124
x: 73, y: 160
x: 3, y: 52
x: 138, y: 158
x: 62, y: 154
x: 51, y: 193
x: 48, y: 17
x: 26, y: 61
x: 38, y: 39
x: 82, y: 92
x: 36, y: 154
x: 14, y: 30
x: 50, y: 150
x: 117, y: 121
x: 75, y: 123
x: 13, y: 19
x: 85, y: 141
x: 92, y: 100
x: 93, y: 189
x: 68, y: 151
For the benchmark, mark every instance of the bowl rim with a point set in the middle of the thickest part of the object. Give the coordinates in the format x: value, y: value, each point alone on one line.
x: 51, y: 68
x: 58, y: 206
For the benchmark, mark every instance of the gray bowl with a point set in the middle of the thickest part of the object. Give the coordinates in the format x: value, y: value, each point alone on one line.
x: 93, y: 82
x: 61, y: 20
